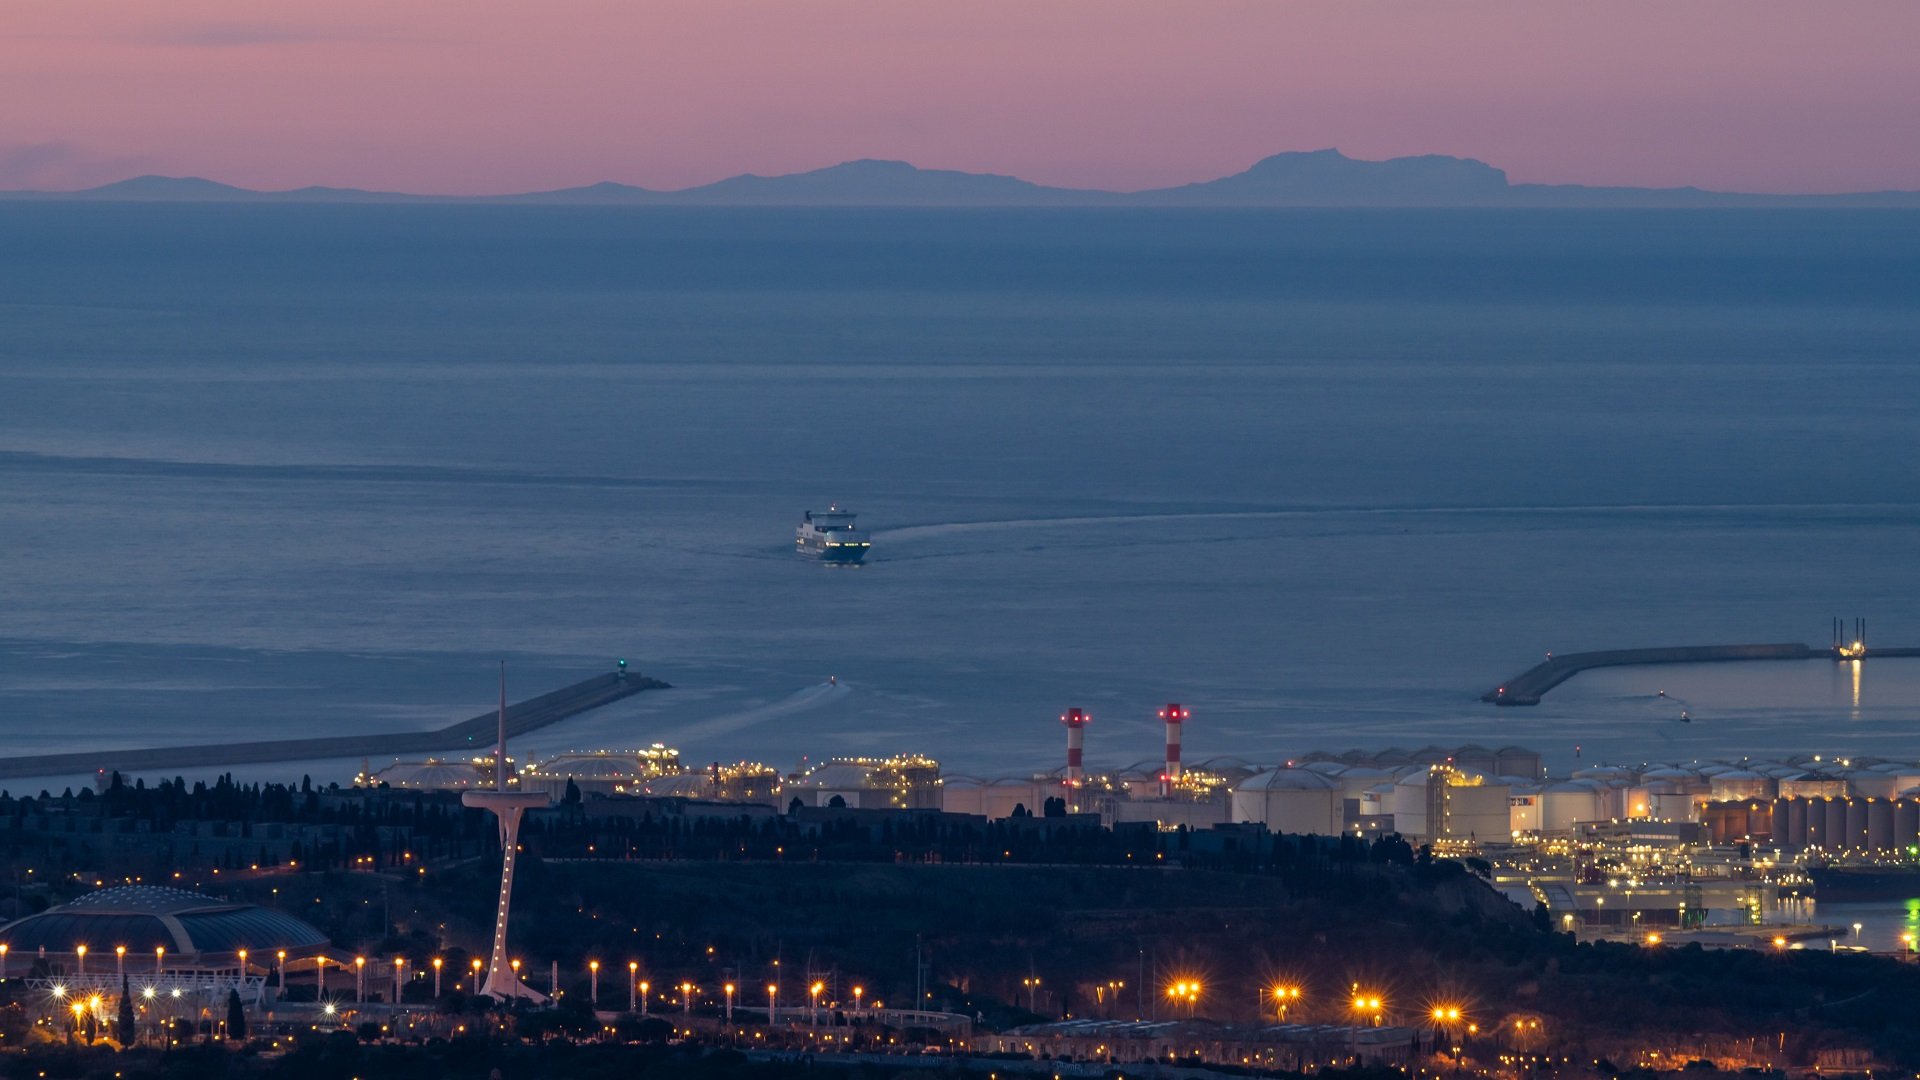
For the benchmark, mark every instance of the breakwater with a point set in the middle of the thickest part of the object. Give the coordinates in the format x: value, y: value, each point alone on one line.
x: 1527, y: 687
x: 475, y: 735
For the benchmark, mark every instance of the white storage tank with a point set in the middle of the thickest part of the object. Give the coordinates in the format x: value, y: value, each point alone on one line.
x: 1737, y: 784
x: 1290, y: 801
x: 1523, y: 808
x: 1518, y: 761
x: 1567, y: 803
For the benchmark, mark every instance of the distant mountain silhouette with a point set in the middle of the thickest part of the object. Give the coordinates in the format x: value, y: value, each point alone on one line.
x: 1319, y: 178
x: 882, y: 183
x: 1330, y: 178
x: 169, y: 189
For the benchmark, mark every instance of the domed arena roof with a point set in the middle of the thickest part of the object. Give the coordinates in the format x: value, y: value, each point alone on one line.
x: 191, y: 927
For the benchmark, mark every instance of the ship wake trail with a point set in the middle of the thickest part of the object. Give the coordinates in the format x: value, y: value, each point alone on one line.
x: 801, y: 701
x: 935, y: 530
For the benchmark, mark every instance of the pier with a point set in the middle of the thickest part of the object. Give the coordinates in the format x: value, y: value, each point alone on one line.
x: 1530, y: 685
x: 473, y: 735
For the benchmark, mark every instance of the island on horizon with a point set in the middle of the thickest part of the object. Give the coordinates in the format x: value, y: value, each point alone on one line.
x: 1318, y: 178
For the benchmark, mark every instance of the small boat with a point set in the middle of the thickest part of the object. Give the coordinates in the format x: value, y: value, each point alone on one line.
x: 830, y: 536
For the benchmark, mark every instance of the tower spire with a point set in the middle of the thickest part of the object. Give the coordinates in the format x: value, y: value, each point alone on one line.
x: 500, y: 750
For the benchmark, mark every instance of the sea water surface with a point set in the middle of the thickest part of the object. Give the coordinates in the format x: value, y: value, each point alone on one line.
x: 1322, y: 476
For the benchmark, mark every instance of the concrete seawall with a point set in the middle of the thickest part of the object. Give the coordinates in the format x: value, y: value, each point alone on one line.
x: 1527, y: 687
x: 468, y: 736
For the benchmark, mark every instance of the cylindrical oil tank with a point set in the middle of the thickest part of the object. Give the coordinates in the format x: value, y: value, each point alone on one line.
x: 1741, y: 784
x: 1856, y: 824
x: 1833, y: 829
x: 1906, y: 824
x: 1879, y: 825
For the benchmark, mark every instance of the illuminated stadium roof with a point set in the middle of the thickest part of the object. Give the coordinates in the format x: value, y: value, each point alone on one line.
x: 192, y: 928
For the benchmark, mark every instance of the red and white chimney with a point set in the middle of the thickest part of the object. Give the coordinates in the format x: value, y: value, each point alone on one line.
x: 1076, y: 721
x: 1174, y: 715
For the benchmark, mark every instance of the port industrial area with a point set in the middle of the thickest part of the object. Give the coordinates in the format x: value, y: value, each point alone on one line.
x: 1731, y: 854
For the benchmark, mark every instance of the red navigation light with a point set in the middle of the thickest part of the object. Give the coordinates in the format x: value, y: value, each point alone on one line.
x: 1076, y: 718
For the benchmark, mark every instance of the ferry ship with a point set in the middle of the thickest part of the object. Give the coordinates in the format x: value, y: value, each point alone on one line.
x: 830, y: 536
x: 1837, y: 883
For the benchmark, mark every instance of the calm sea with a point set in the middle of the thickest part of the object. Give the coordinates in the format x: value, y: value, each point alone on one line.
x: 1323, y: 477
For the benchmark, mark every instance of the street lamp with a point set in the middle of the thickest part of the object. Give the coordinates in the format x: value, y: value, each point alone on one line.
x: 644, y: 987
x: 1366, y: 1005
x: 1284, y: 996
x: 633, y: 975
x: 120, y: 960
x: 280, y: 968
x: 686, y: 999
x: 359, y: 980
x: 814, y: 993
x: 476, y: 974
x: 859, y: 992
x: 438, y: 962
x: 773, y: 991
x: 1185, y: 990
x: 399, y: 971
x: 593, y: 994
x: 320, y: 974
x: 81, y: 952
x: 729, y: 992
x: 159, y: 954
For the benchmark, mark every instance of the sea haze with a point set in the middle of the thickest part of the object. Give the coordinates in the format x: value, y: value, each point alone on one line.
x: 1323, y: 476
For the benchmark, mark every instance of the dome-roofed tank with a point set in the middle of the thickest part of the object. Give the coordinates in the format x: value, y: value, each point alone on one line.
x: 195, y: 930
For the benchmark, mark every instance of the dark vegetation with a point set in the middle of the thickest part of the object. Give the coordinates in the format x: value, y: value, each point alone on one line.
x: 855, y: 897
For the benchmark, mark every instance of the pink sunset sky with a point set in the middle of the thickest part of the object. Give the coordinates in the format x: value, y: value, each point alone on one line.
x: 472, y: 96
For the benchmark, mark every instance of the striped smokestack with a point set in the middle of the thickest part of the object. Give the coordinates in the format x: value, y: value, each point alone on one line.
x: 1076, y: 721
x: 1174, y: 715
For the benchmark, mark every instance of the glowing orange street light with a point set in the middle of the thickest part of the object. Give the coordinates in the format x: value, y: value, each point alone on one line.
x: 120, y: 960
x: 729, y: 992
x: 1779, y: 942
x: 593, y: 994
x: 773, y: 993
x: 437, y: 964
x: 280, y: 962
x: 858, y: 993
x: 1284, y: 996
x: 686, y: 999
x: 81, y: 952
x: 359, y: 980
x: 633, y: 974
x: 814, y: 993
x: 645, y: 986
